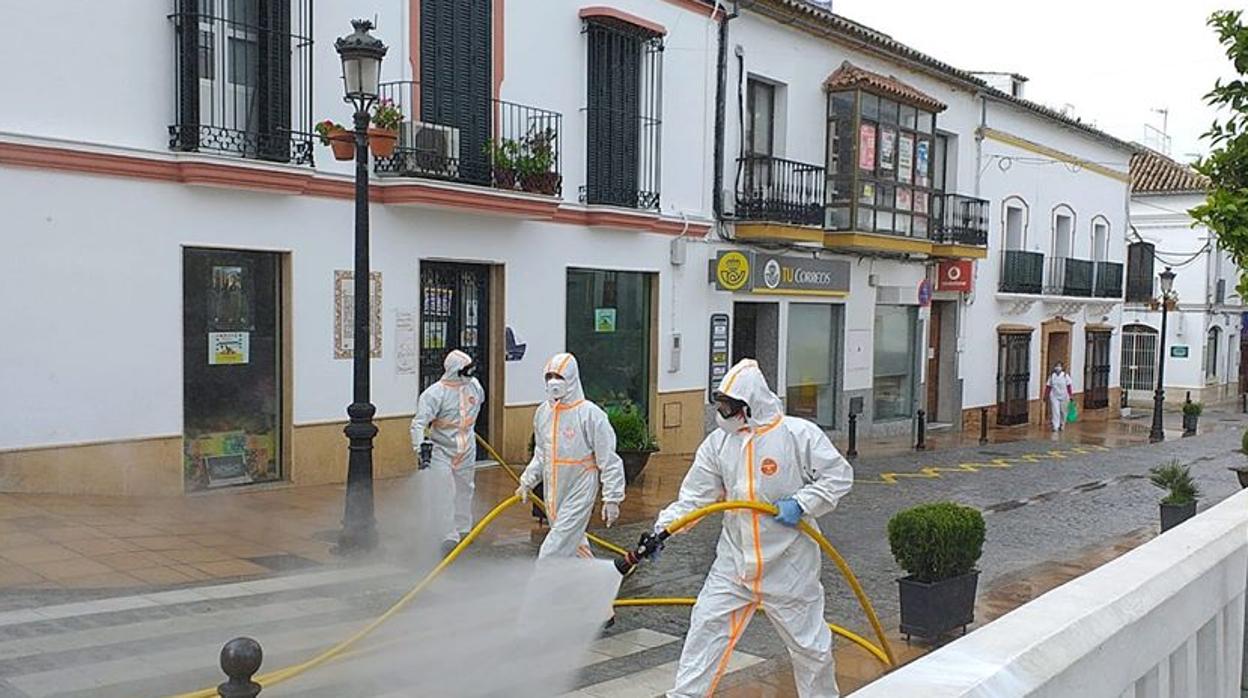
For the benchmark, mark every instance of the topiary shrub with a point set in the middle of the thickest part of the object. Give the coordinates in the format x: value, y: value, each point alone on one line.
x: 1243, y: 442
x: 632, y: 432
x: 1193, y: 409
x: 1177, y: 478
x: 937, y: 541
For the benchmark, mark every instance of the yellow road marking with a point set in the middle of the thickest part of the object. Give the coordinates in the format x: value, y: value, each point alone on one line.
x: 934, y: 472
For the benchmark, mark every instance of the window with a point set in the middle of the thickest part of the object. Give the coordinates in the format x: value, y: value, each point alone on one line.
x: 760, y: 133
x: 1096, y: 371
x: 1100, y: 239
x: 940, y: 165
x: 881, y: 172
x: 609, y: 329
x: 1212, y: 343
x: 1139, y: 272
x: 1139, y: 357
x: 894, y: 374
x: 813, y: 365
x: 1015, y: 227
x: 455, y: 92
x: 1063, y: 232
x: 622, y: 114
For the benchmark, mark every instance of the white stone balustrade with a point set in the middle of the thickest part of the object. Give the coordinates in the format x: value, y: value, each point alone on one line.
x: 1165, y: 620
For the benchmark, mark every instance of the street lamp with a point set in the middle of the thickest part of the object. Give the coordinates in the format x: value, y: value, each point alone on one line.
x: 361, y: 55
x: 1157, y: 433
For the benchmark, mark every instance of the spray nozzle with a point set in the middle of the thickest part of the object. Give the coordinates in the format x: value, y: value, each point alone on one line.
x: 647, y: 548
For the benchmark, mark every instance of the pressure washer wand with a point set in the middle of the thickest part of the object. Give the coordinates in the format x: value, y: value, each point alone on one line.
x: 649, y: 546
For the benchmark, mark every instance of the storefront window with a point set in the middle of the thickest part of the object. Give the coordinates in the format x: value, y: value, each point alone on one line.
x: 609, y: 331
x: 813, y: 362
x: 894, y: 362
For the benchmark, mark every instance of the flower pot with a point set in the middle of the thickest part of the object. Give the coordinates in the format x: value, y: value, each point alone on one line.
x: 1174, y: 514
x: 541, y: 183
x: 1241, y: 473
x: 929, y: 610
x: 634, y: 463
x: 342, y: 142
x: 382, y: 141
x: 505, y: 178
x: 1189, y: 424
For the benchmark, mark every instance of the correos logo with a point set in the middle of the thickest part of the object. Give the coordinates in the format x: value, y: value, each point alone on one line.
x: 771, y: 273
x: 733, y: 271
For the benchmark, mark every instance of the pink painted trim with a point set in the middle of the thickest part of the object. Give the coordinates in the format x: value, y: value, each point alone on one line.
x: 621, y: 15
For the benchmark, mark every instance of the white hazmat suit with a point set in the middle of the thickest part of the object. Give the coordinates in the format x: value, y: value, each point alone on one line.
x: 573, y: 445
x: 1060, y: 389
x: 759, y: 561
x: 449, y: 409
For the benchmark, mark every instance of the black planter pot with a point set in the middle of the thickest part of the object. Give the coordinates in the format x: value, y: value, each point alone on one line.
x: 1189, y: 424
x: 1242, y: 475
x: 1174, y: 514
x: 634, y: 463
x: 930, y: 610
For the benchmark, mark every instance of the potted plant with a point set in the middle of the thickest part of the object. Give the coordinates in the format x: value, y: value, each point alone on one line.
x: 937, y: 545
x: 1191, y: 415
x: 503, y: 155
x: 1241, y: 471
x: 633, y: 440
x: 338, y: 138
x: 536, y: 163
x: 384, y: 133
x: 1179, y: 504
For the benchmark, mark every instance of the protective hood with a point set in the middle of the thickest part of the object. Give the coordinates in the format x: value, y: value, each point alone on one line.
x: 565, y: 365
x: 745, y: 382
x: 453, y: 364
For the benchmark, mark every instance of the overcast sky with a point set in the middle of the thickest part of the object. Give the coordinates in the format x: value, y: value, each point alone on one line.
x: 1113, y: 60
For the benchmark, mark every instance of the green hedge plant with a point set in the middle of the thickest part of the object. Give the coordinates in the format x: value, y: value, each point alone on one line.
x: 1176, y: 478
x: 937, y: 541
x: 632, y: 432
x: 1193, y: 409
x: 1243, y: 442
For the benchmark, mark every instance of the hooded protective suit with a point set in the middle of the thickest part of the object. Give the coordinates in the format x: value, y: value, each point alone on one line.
x: 449, y: 409
x: 760, y: 561
x: 573, y: 446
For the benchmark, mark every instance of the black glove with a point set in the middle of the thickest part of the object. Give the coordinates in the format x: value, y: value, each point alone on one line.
x: 426, y: 454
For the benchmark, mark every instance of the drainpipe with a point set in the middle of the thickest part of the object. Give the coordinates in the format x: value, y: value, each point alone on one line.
x: 721, y: 78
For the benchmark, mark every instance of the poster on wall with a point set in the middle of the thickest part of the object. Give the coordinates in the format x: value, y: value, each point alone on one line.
x: 604, y: 319
x: 344, y: 314
x: 866, y: 147
x: 405, y: 351
x: 888, y: 149
x: 922, y: 156
x: 903, y: 199
x: 229, y: 300
x: 868, y: 194
x: 905, y: 158
x: 920, y: 202
x: 229, y: 348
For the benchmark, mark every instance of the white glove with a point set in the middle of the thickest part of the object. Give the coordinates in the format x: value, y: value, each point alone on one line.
x: 523, y: 493
x: 610, y: 512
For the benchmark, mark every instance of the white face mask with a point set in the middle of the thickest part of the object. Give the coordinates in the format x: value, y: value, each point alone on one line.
x: 556, y: 388
x: 730, y: 425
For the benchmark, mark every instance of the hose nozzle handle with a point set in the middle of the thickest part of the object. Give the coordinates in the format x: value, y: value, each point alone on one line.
x: 649, y: 546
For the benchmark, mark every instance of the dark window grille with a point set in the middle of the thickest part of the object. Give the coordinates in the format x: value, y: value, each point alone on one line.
x: 1013, y: 378
x: 1096, y: 371
x: 623, y: 109
x: 1140, y: 272
x: 243, y: 78
x: 1219, y: 291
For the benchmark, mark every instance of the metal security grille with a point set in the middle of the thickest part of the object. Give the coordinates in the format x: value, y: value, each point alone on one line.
x: 1096, y: 371
x: 243, y: 78
x: 1139, y: 357
x: 622, y: 114
x: 454, y: 314
x: 1013, y: 377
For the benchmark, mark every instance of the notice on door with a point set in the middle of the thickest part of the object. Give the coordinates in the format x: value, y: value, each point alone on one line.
x: 226, y: 348
x: 604, y: 319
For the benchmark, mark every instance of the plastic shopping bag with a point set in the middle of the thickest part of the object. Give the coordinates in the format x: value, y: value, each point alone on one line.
x: 1072, y: 412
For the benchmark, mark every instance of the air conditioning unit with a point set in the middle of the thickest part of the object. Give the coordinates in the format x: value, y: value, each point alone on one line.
x: 429, y: 149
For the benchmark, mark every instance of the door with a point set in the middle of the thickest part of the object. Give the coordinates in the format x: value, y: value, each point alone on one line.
x: 1013, y: 377
x: 454, y: 314
x: 231, y: 367
x: 456, y: 82
x: 1096, y: 371
x: 1056, y: 350
x: 756, y: 335
x: 229, y: 73
x: 1139, y: 358
x: 812, y: 367
x: 933, y: 361
x: 608, y: 326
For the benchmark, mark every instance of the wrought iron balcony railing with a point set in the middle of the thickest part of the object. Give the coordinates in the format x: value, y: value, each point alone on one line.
x: 474, y: 139
x: 1069, y: 277
x: 623, y: 164
x: 1108, y: 280
x: 960, y: 220
x: 1022, y: 272
x: 776, y: 190
x: 243, y: 79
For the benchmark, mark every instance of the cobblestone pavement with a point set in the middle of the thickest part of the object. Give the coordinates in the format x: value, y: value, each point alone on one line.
x: 1055, y: 507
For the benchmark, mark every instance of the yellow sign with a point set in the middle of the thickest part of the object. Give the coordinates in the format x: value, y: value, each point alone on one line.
x: 733, y: 271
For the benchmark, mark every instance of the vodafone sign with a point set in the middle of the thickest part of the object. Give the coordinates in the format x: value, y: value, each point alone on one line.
x: 955, y: 275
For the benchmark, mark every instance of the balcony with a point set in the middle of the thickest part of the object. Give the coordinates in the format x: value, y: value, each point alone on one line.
x: 960, y: 221
x: 1069, y: 277
x: 779, y: 200
x: 1022, y: 272
x: 473, y: 139
x: 1108, y: 280
x: 243, y: 80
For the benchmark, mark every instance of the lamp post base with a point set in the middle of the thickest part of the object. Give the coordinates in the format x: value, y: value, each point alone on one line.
x: 1157, y: 432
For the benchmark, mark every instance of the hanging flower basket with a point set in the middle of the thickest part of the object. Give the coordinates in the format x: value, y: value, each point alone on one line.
x: 382, y: 141
x: 338, y: 138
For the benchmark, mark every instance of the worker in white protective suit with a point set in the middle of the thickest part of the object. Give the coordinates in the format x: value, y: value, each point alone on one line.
x: 447, y: 411
x: 758, y: 454
x: 1059, y: 391
x: 574, y: 446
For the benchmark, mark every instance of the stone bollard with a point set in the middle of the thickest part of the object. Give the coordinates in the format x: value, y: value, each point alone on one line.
x: 852, y: 452
x: 983, y: 426
x: 240, y: 660
x: 921, y: 443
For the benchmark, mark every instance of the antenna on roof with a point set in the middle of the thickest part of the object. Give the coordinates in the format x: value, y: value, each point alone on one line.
x: 1159, y: 139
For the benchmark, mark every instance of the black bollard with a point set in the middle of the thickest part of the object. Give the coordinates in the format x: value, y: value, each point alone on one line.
x: 921, y: 444
x: 1243, y: 403
x: 852, y: 453
x: 983, y: 426
x: 240, y: 660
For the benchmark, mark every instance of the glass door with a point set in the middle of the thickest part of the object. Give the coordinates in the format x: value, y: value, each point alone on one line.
x: 609, y: 330
x: 813, y: 362
x: 454, y: 314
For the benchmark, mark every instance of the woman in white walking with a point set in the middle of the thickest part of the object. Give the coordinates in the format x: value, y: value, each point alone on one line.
x: 1059, y: 391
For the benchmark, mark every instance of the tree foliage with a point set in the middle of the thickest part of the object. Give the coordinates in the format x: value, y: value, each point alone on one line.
x: 1225, y: 211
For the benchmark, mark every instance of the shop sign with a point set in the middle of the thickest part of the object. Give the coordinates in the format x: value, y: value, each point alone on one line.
x: 758, y: 272
x: 955, y: 275
x: 227, y: 348
x: 719, y: 350
x: 604, y: 319
x: 1178, y: 351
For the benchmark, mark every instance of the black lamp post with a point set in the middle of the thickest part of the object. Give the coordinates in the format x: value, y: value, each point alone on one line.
x: 361, y: 55
x: 1157, y: 433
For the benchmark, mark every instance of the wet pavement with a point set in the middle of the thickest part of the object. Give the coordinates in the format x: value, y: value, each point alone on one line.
x: 1055, y: 505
